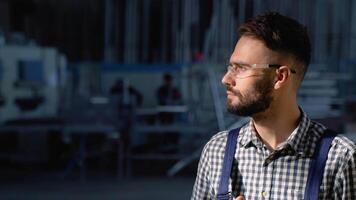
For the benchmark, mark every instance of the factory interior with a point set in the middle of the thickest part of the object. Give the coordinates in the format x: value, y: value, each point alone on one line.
x: 115, y: 99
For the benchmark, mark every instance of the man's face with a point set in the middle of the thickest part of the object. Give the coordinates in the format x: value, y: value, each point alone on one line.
x: 254, y: 100
x: 253, y: 93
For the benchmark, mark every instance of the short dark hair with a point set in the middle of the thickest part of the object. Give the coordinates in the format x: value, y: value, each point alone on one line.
x: 167, y: 77
x: 280, y: 33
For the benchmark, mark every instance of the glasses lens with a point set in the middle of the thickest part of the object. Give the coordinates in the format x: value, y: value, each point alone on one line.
x: 239, y: 70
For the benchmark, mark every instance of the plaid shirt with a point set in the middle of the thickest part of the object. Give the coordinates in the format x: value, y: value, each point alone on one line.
x: 259, y: 173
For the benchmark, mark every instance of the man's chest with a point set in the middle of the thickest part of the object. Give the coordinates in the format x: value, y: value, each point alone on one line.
x: 270, y: 176
x: 260, y: 174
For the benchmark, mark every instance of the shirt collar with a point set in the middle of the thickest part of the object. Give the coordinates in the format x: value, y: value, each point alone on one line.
x: 296, y: 141
x: 249, y: 136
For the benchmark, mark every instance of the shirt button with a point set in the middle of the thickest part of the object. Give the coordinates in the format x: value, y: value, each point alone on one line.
x: 264, y: 194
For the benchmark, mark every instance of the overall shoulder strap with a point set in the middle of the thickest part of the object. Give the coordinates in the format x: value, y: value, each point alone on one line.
x: 223, y: 193
x: 317, y: 166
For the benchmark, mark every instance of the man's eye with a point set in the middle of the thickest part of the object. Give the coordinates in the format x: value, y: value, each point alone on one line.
x: 231, y: 68
x: 241, y: 68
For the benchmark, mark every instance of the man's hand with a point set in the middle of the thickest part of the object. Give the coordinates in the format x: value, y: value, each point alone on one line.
x: 240, y: 198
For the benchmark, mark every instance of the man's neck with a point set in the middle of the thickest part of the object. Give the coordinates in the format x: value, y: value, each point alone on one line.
x: 275, y: 126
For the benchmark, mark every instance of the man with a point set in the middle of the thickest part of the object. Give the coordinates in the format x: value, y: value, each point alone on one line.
x: 275, y: 148
x: 168, y: 95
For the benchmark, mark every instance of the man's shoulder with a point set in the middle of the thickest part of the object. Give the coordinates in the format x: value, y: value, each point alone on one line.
x: 343, y: 144
x: 218, y: 139
x: 219, y: 136
x: 217, y: 142
x: 342, y: 153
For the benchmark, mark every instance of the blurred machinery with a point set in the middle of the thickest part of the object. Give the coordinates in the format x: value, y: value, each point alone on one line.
x: 41, y: 104
x: 33, y: 78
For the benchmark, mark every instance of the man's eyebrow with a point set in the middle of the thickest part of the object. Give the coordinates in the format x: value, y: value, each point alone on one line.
x: 238, y: 62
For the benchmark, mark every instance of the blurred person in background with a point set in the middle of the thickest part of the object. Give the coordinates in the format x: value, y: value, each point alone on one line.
x: 168, y: 95
x: 126, y: 99
x: 274, y: 150
x: 128, y: 95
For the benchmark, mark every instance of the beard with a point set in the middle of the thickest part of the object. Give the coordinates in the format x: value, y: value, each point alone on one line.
x: 255, y: 101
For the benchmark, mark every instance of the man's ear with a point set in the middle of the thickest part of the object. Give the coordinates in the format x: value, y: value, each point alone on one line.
x: 282, y: 75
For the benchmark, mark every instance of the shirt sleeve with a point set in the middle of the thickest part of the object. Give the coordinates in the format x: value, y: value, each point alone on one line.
x: 345, y: 182
x: 202, y: 183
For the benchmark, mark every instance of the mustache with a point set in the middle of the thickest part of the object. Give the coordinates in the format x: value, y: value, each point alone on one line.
x: 233, y: 91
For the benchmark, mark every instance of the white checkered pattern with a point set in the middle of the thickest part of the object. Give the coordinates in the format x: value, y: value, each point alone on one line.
x: 258, y: 173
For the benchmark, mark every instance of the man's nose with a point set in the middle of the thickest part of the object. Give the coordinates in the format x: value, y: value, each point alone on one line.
x: 227, y: 79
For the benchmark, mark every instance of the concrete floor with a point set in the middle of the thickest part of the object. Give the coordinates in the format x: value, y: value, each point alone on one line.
x: 132, y: 189
x: 40, y: 181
